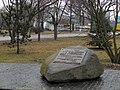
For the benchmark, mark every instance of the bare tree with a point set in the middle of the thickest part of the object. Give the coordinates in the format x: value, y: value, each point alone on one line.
x: 75, y: 7
x: 18, y: 17
x: 40, y: 18
x: 96, y: 12
x: 71, y: 15
x: 56, y: 11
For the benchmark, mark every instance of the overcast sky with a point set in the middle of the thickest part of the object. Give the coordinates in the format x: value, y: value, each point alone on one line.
x: 1, y: 4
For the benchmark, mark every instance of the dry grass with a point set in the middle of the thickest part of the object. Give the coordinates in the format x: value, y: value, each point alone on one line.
x: 38, y: 51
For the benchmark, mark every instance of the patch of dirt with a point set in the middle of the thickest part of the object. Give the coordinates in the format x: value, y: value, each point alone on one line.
x: 111, y: 66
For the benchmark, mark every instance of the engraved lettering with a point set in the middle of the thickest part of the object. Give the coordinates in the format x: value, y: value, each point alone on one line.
x: 70, y: 56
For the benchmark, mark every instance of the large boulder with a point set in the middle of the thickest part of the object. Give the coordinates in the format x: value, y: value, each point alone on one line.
x: 72, y: 63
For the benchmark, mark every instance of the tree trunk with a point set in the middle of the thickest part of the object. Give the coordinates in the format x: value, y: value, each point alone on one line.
x: 55, y: 31
x: 38, y: 35
x: 42, y: 25
x: 70, y: 16
x: 12, y: 40
x: 72, y: 27
x: 17, y: 28
x: 83, y: 21
x: 38, y: 21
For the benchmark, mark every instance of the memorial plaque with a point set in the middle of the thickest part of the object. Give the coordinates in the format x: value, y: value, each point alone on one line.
x: 70, y: 56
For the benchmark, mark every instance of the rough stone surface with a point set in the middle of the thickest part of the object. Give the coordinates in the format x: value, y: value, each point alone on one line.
x: 64, y: 65
x: 27, y: 77
x: 16, y: 76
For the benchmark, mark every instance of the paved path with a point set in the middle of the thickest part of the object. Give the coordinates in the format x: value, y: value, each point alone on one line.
x: 27, y: 76
x: 46, y: 36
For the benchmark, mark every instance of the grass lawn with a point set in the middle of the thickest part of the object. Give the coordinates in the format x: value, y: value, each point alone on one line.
x: 38, y: 51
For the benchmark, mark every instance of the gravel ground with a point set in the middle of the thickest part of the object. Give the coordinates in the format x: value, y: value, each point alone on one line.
x: 28, y: 77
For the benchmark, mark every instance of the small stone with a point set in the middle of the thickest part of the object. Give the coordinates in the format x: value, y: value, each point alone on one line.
x: 72, y: 63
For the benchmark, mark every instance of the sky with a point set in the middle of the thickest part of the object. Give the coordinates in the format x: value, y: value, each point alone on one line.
x: 1, y: 4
